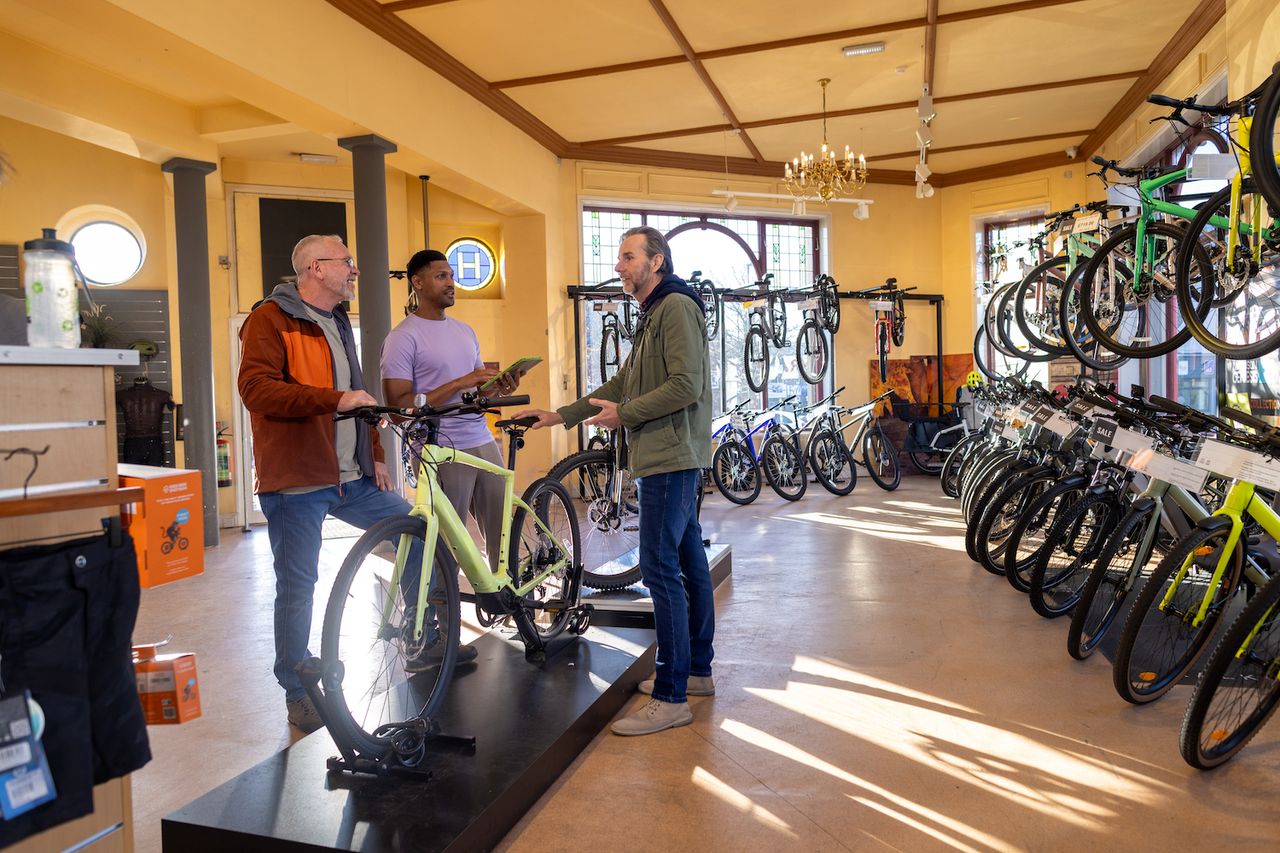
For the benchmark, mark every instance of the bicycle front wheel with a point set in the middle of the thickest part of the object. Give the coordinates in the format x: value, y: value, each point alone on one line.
x: 1263, y: 138
x: 609, y: 528
x: 1160, y: 641
x: 610, y: 353
x: 711, y: 307
x: 735, y: 473
x: 784, y: 467
x: 1238, y: 691
x: 545, y: 560
x: 832, y: 463
x: 1071, y: 548
x: 881, y: 458
x: 376, y: 668
x: 755, y: 358
x: 882, y: 350
x: 811, y: 352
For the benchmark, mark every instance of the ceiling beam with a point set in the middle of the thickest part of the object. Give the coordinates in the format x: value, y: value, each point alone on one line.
x: 930, y: 43
x: 405, y: 5
x: 400, y: 34
x: 777, y: 44
x: 950, y: 149
x: 1197, y: 25
x: 698, y: 68
x: 1004, y: 169
x: 873, y: 108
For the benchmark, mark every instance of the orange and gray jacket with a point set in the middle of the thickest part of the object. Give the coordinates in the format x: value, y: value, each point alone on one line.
x: 286, y: 383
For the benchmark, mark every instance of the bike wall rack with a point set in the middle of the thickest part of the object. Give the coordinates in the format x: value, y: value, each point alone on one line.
x: 934, y: 299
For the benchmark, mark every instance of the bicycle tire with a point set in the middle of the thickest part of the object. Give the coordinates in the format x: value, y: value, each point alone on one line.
x: 1076, y: 335
x: 1240, y: 272
x: 711, y: 307
x: 882, y: 351
x: 876, y: 446
x: 1262, y: 140
x: 608, y: 533
x: 832, y: 463
x: 1110, y: 264
x: 829, y: 307
x: 1114, y: 576
x: 735, y: 473
x: 1144, y: 673
x: 356, y: 604
x: 1004, y: 322
x: 627, y: 321
x: 899, y: 322
x: 1064, y: 563
x: 1028, y: 538
x: 547, y: 536
x: 1239, y: 677
x: 610, y: 353
x: 1001, y: 512
x: 1042, y: 276
x: 988, y: 370
x: 811, y: 352
x: 949, y: 476
x: 755, y: 358
x: 784, y: 468
x: 776, y: 315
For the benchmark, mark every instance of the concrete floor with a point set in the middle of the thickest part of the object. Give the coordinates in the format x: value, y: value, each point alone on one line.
x: 876, y: 690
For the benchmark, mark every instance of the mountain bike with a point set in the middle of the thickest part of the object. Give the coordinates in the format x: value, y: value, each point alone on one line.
x: 878, y: 455
x: 710, y: 302
x: 391, y: 627
x: 755, y: 346
x: 890, y: 320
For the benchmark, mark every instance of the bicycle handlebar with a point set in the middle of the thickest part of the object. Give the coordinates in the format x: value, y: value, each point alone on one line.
x: 469, y: 405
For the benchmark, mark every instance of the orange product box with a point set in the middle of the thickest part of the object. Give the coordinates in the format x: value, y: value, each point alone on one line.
x: 167, y: 685
x: 168, y: 525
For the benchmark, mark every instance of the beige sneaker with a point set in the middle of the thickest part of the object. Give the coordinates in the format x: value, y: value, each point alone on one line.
x: 655, y: 716
x: 699, y: 685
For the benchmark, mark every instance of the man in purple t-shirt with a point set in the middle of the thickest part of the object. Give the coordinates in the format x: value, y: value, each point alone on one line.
x: 429, y: 353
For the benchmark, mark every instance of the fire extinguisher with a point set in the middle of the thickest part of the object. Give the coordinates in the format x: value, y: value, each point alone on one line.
x: 224, y: 456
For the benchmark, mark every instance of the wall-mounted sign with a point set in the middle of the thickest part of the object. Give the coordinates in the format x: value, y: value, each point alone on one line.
x: 474, y: 264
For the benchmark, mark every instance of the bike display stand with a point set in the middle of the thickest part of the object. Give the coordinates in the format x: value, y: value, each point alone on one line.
x: 934, y: 299
x: 633, y: 607
x: 534, y: 721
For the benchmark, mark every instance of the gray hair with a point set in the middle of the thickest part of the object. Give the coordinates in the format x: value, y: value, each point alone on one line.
x: 654, y: 244
x: 302, y: 250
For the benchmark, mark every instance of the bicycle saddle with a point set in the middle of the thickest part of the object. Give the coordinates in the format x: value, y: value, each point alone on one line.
x: 517, y: 423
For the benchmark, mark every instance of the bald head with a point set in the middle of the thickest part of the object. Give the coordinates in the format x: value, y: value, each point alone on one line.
x: 314, y: 246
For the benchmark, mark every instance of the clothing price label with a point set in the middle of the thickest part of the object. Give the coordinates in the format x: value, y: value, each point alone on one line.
x: 1238, y: 463
x: 1085, y: 224
x: 1176, y: 472
x: 1103, y: 431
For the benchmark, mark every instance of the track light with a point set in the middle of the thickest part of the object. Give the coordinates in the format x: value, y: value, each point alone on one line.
x: 924, y: 190
x: 797, y: 208
x: 924, y: 136
x: 923, y: 171
x: 924, y: 107
x: 863, y: 49
x: 731, y: 203
x: 861, y: 212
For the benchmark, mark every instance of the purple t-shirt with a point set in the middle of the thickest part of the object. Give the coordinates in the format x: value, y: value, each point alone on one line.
x: 432, y: 353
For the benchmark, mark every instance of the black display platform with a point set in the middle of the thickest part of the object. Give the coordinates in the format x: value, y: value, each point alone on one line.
x: 530, y: 723
x: 633, y: 607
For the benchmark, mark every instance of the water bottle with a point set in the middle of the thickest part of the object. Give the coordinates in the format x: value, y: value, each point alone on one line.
x: 53, y: 306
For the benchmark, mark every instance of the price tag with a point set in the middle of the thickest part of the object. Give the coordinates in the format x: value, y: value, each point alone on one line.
x: 1010, y: 432
x: 1043, y: 416
x: 1080, y: 407
x: 1065, y: 229
x: 1238, y: 463
x: 1176, y: 472
x: 880, y: 304
x: 807, y: 305
x: 1085, y: 224
x: 1130, y: 441
x: 1061, y: 425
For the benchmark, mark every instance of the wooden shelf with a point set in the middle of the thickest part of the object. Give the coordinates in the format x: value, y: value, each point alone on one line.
x: 74, y: 500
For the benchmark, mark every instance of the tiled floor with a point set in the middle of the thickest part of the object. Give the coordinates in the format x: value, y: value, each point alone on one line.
x: 876, y: 690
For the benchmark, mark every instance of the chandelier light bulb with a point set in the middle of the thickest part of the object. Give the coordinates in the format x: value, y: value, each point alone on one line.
x: 823, y: 174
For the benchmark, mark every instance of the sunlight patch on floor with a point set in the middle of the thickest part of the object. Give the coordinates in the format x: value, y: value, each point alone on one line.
x: 740, y: 801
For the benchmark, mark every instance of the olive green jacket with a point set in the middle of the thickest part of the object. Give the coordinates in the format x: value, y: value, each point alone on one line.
x: 663, y: 390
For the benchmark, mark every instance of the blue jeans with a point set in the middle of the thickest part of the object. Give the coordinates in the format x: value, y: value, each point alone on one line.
x: 293, y: 526
x: 674, y: 566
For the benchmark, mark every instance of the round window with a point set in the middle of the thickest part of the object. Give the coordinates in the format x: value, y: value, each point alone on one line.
x: 473, y: 262
x: 108, y: 253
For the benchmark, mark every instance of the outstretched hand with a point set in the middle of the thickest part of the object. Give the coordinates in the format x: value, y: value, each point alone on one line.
x: 607, y: 417
x: 545, y: 418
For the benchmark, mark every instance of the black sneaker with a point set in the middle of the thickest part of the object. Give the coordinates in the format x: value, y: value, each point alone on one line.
x: 432, y: 655
x: 304, y: 715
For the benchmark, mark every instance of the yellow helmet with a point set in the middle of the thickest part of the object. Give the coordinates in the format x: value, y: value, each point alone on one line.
x: 973, y: 380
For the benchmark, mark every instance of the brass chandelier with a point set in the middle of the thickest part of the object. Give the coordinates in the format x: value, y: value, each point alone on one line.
x: 821, y: 175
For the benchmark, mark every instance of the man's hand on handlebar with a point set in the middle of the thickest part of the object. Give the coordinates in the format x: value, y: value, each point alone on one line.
x: 354, y: 400
x: 545, y: 418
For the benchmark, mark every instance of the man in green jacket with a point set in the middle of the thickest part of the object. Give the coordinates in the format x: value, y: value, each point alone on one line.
x: 662, y: 396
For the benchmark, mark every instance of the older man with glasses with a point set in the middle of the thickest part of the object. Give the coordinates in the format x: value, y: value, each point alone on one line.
x: 298, y: 367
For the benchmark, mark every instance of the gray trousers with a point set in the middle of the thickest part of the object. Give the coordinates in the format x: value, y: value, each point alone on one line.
x: 474, y: 491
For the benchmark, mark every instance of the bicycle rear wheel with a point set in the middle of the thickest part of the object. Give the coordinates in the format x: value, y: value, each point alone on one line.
x: 829, y: 307
x: 784, y: 467
x: 1238, y: 691
x: 776, y: 311
x: 1035, y: 305
x: 735, y: 473
x: 881, y: 458
x: 711, y: 307
x: 370, y: 637
x: 755, y: 358
x: 1071, y: 548
x: 610, y: 353
x: 832, y: 463
x: 882, y: 350
x: 1263, y: 138
x: 541, y: 539
x: 811, y: 352
x: 1159, y: 643
x: 609, y: 529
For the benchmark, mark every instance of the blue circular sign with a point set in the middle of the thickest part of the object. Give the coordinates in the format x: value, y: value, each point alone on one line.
x: 182, y: 517
x: 473, y: 262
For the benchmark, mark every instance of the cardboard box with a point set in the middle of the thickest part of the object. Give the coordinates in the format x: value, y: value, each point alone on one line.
x: 168, y: 525
x: 167, y: 685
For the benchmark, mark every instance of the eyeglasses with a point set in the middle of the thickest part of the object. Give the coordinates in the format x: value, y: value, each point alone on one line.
x: 351, y: 262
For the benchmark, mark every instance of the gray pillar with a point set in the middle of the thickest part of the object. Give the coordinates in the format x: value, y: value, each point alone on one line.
x: 368, y: 164
x: 191, y: 227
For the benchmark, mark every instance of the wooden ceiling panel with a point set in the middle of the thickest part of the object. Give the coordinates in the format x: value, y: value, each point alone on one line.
x: 1026, y: 114
x: 974, y: 158
x: 1054, y: 43
x: 633, y: 102
x: 505, y: 39
x: 715, y: 144
x: 790, y: 86
x: 884, y: 132
x: 714, y: 24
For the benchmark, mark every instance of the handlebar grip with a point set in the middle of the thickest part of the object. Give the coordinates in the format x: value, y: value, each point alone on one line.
x: 1247, y: 419
x: 500, y: 402
x: 1101, y: 161
x: 1164, y: 101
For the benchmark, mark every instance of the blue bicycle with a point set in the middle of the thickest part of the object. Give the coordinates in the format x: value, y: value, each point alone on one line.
x: 736, y: 466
